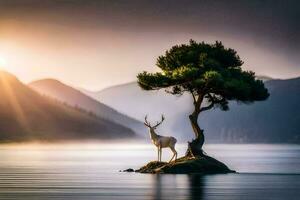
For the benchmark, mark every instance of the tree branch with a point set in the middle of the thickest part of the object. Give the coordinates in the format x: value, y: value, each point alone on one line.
x: 193, y: 95
x: 214, y: 100
x: 197, y: 104
x: 210, y: 106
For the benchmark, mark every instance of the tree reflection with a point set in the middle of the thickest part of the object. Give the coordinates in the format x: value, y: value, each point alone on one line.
x: 196, y: 189
x: 165, y: 187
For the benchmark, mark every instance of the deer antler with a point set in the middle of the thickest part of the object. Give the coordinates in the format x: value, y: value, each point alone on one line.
x: 146, y: 122
x: 158, y: 123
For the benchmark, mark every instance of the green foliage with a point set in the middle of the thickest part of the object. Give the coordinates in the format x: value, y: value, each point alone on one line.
x: 207, y: 71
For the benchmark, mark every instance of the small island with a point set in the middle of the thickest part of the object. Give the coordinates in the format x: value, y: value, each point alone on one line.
x: 186, y: 165
x: 213, y: 76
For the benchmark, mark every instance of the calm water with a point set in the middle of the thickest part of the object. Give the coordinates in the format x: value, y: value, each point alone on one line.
x: 91, y: 171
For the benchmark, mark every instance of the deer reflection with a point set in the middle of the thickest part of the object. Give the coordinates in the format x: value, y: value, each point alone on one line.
x: 163, y: 187
x: 157, y: 188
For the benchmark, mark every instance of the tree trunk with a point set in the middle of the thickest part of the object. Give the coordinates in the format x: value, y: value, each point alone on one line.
x: 195, y: 147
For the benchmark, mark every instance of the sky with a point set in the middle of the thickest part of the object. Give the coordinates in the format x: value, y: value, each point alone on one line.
x: 94, y: 44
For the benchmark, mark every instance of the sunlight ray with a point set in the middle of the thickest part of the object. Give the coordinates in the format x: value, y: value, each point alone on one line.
x: 13, y: 101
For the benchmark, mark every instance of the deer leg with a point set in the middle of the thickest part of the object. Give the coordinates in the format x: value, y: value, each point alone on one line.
x: 172, y: 158
x: 174, y: 153
x: 158, y: 153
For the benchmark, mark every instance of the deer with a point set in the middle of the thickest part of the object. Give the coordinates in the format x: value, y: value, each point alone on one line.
x: 161, y: 141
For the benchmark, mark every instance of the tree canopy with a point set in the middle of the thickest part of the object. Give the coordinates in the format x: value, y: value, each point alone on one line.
x: 209, y: 72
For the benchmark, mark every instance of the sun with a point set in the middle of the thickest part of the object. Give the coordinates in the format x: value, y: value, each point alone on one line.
x: 2, y: 62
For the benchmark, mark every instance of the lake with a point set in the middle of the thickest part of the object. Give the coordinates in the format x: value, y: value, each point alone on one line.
x: 91, y: 171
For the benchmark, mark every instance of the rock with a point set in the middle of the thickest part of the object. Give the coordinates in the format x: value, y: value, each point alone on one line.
x: 128, y: 170
x: 185, y: 165
x: 152, y: 167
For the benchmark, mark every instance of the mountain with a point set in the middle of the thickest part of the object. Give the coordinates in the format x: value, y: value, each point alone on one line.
x: 137, y: 103
x: 71, y: 96
x: 275, y: 120
x: 26, y: 115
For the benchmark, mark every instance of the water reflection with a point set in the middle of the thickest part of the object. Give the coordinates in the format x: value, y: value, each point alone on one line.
x: 196, y: 183
x: 164, y: 184
x: 92, y: 172
x: 189, y: 186
x: 157, y: 187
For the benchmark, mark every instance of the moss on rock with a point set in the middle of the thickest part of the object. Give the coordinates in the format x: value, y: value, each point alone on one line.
x: 185, y: 165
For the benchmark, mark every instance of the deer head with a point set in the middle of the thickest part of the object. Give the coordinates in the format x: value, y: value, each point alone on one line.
x: 146, y: 123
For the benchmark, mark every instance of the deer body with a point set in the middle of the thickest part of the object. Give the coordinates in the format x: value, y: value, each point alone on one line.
x: 161, y: 141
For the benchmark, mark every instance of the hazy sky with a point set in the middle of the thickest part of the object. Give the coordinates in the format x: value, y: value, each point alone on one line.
x: 95, y: 44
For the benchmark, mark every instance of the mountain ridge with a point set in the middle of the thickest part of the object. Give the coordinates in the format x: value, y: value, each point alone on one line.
x: 26, y: 115
x: 70, y: 95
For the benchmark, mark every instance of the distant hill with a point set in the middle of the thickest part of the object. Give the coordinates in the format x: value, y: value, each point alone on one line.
x: 137, y: 103
x: 74, y: 97
x: 26, y: 115
x: 275, y: 120
x: 264, y: 78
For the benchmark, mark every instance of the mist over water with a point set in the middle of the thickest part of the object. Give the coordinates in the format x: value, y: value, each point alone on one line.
x: 91, y: 171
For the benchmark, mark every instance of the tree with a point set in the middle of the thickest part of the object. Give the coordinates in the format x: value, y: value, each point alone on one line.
x: 211, y: 73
